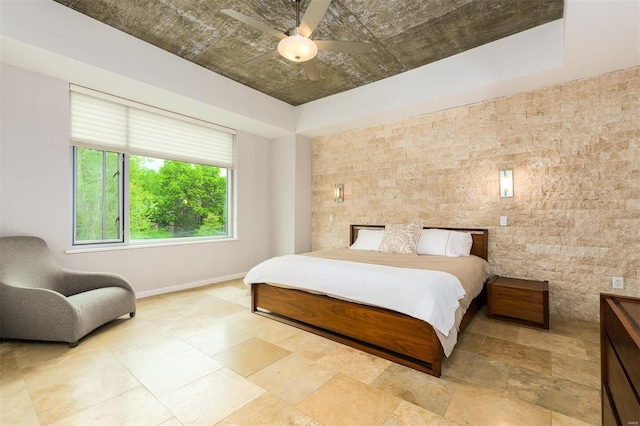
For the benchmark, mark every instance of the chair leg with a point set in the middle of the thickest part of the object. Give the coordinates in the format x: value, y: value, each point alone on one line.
x: 74, y: 344
x: 132, y: 314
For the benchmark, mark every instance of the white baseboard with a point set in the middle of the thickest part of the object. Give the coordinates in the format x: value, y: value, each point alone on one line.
x: 185, y: 286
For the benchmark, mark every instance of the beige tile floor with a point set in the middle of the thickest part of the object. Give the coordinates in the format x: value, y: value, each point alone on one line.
x: 200, y: 357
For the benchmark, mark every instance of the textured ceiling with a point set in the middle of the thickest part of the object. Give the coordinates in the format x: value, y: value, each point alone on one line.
x: 406, y: 34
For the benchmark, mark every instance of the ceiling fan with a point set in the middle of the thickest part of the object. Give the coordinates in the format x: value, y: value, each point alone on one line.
x: 296, y: 44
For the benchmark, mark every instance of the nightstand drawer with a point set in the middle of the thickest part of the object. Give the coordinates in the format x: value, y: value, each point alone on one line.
x: 518, y: 303
x: 517, y: 300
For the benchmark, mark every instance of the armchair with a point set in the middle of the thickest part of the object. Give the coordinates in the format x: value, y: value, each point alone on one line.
x: 41, y: 300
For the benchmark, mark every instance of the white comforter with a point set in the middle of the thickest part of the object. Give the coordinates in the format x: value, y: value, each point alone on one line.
x: 431, y: 296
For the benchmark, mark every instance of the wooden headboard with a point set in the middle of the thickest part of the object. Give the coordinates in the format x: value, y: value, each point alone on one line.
x: 480, y: 237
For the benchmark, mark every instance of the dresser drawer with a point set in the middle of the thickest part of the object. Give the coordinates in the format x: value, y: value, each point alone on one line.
x: 620, y: 359
x: 626, y: 347
x: 608, y: 416
x: 623, y: 396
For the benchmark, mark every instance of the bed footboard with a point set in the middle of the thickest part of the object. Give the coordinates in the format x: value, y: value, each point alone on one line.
x: 391, y: 335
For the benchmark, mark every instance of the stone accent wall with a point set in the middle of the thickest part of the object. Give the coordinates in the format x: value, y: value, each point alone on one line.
x: 575, y: 151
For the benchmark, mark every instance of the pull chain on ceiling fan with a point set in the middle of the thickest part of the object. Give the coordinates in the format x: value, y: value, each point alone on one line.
x: 296, y: 45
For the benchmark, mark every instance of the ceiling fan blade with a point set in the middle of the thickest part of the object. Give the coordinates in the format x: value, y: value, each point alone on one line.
x: 312, y: 17
x: 343, y: 46
x: 261, y: 58
x: 311, y: 69
x: 254, y: 23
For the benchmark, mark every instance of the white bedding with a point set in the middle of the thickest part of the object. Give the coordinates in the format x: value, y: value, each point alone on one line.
x: 431, y: 296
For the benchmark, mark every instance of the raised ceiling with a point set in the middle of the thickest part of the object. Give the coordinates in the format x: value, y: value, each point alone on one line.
x: 406, y: 34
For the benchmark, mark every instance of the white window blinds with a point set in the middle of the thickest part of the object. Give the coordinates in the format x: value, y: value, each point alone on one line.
x: 107, y: 122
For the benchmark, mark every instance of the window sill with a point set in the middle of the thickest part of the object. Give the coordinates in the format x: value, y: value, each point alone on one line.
x: 143, y: 245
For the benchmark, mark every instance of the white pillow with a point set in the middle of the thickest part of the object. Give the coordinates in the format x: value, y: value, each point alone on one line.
x: 442, y: 242
x: 401, y: 239
x: 467, y: 242
x: 368, y: 239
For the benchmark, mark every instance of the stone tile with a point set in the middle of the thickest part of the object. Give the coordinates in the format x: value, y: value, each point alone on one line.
x: 355, y: 363
x: 50, y: 362
x: 9, y: 370
x: 239, y: 294
x: 593, y: 351
x: 409, y: 414
x: 577, y: 370
x: 473, y: 369
x: 577, y: 329
x: 293, y: 377
x: 149, y: 350
x: 346, y: 401
x: 558, y: 419
x: 193, y: 297
x: 219, y: 337
x: 493, y: 328
x: 552, y: 342
x: 134, y: 407
x: 172, y: 422
x: 418, y: 388
x: 470, y: 341
x: 121, y: 332
x: 478, y: 407
x: 538, y: 360
x: 33, y: 357
x: 250, y: 356
x: 211, y: 398
x: 200, y: 317
x: 264, y: 328
x: 561, y: 395
x: 15, y: 405
x: 268, y: 410
x: 156, y: 306
x: 82, y: 380
x: 216, y: 307
x: 309, y: 345
x: 587, y: 331
x: 175, y: 371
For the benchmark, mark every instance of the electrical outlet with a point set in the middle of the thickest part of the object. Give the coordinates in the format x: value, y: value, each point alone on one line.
x: 503, y: 221
x: 617, y: 283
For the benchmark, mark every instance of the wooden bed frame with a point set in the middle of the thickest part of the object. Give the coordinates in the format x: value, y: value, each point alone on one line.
x: 382, y: 332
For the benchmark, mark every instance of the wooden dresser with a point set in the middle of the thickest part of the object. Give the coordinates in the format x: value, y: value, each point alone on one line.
x: 620, y: 357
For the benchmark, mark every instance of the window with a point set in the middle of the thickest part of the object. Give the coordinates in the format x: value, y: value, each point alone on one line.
x: 143, y: 175
x: 98, y: 196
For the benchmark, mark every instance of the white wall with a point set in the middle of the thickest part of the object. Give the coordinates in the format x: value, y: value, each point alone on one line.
x: 35, y: 197
x: 291, y: 195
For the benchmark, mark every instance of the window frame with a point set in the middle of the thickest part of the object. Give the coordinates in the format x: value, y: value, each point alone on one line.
x: 121, y: 212
x: 125, y: 204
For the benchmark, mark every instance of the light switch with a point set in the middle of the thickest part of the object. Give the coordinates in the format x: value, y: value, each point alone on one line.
x: 503, y: 221
x: 330, y: 218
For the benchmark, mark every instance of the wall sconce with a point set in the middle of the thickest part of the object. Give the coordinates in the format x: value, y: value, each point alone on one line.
x: 338, y: 192
x: 506, y: 183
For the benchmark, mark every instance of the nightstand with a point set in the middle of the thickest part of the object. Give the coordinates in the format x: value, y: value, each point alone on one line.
x: 521, y: 301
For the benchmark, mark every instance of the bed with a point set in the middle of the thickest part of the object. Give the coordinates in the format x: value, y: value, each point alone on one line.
x: 380, y: 331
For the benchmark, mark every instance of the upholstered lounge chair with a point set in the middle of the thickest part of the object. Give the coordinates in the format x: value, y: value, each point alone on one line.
x: 41, y: 300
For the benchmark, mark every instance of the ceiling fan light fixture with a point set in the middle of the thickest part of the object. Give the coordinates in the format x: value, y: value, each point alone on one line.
x: 297, y: 48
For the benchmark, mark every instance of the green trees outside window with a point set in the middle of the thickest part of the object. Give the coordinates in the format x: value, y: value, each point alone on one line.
x: 166, y: 198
